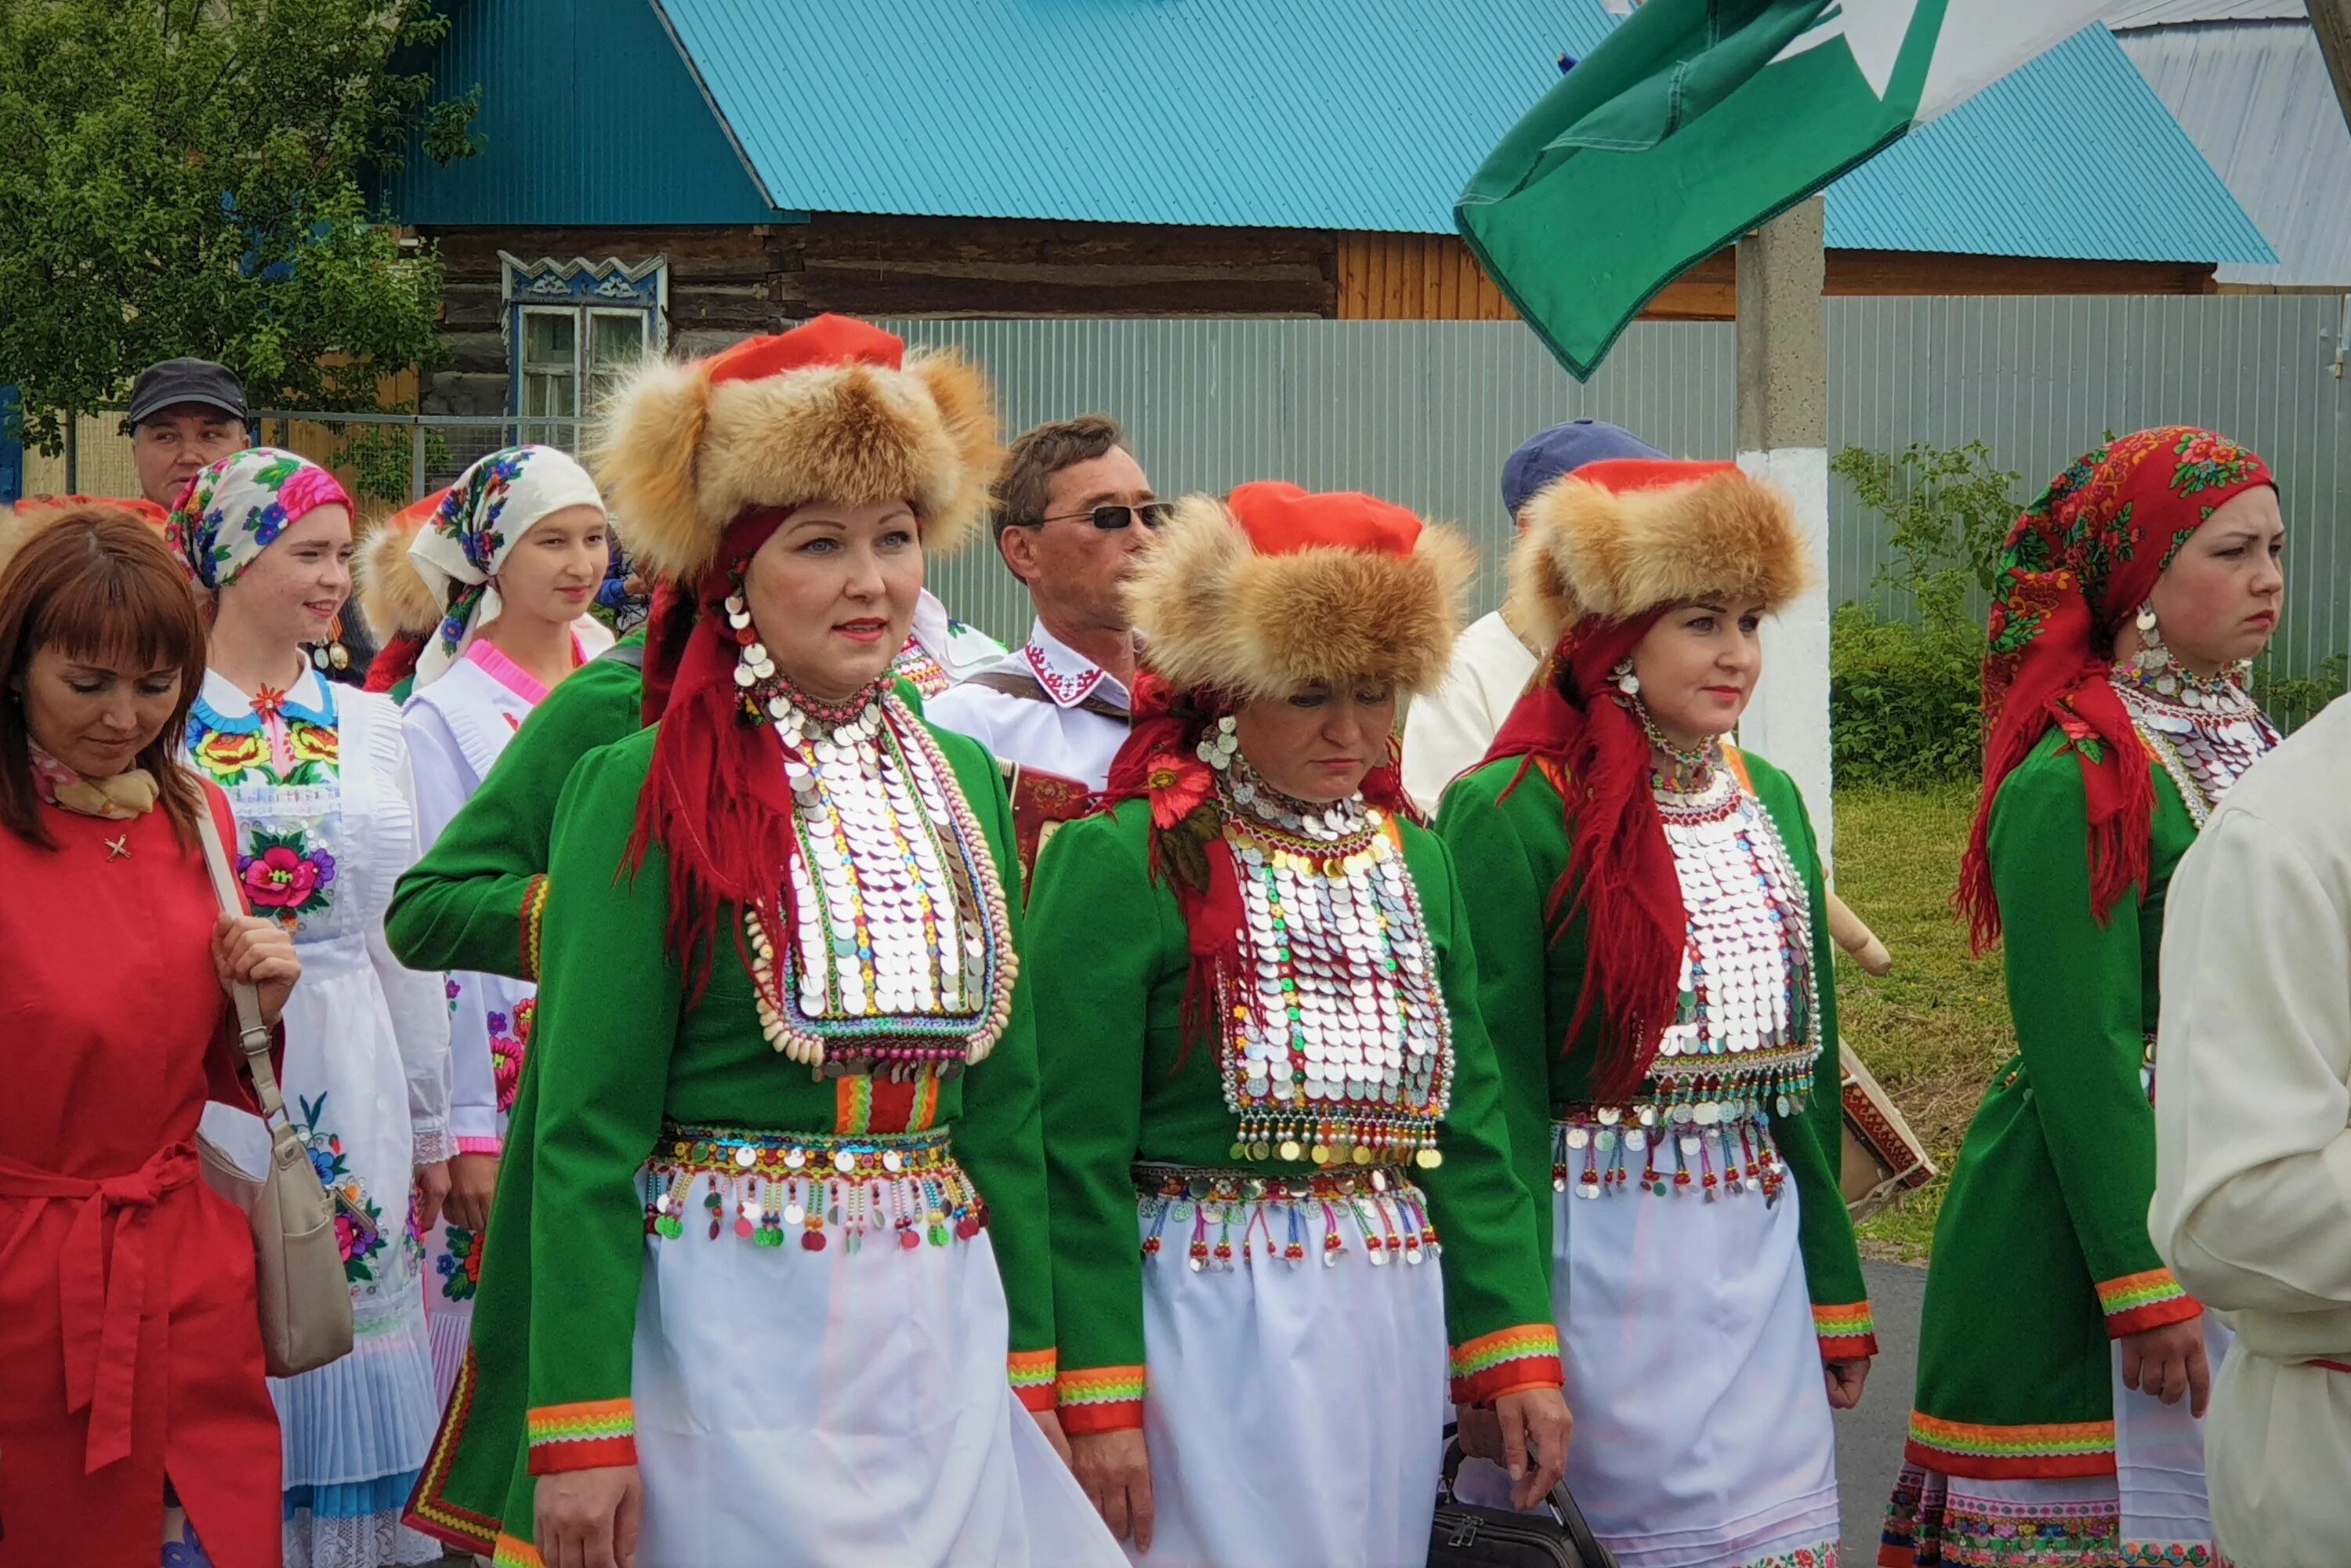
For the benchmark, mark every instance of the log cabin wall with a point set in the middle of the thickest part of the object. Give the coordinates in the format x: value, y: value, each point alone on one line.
x: 728, y: 282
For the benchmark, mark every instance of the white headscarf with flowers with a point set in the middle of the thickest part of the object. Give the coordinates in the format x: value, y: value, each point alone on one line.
x: 486, y: 514
x: 236, y: 507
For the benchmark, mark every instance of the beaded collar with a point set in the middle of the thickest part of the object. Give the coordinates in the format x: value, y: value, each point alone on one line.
x: 1744, y: 1034
x: 899, y: 956
x: 2206, y: 731
x: 1336, y: 1043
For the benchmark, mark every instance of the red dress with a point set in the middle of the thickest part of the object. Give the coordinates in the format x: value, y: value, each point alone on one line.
x: 128, y: 1342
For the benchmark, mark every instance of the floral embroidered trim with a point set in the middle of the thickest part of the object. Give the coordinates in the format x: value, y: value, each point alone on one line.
x: 1100, y: 1399
x: 1033, y: 1374
x: 1925, y: 1524
x: 582, y: 1436
x: 1066, y: 687
x: 1494, y: 1365
x: 460, y: 1264
x: 2168, y: 1554
x: 2137, y: 1302
x: 534, y: 912
x: 1845, y: 1331
x: 511, y: 1552
x: 1821, y: 1556
x: 2006, y: 1453
x: 285, y: 877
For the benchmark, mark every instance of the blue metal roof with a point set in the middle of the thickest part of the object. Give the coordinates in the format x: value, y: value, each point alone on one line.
x: 2074, y: 149
x: 590, y: 117
x: 1365, y: 115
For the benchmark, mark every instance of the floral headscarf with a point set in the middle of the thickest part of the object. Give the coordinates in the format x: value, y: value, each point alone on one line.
x: 236, y: 508
x: 480, y: 520
x: 2077, y: 564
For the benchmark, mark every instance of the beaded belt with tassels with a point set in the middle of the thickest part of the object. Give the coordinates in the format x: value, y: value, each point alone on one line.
x: 903, y: 1185
x: 1712, y: 1149
x: 1220, y: 1218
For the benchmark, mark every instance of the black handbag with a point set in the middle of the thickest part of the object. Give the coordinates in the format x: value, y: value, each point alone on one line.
x: 1464, y: 1535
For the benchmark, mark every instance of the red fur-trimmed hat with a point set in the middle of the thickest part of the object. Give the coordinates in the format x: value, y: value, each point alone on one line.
x: 1275, y: 587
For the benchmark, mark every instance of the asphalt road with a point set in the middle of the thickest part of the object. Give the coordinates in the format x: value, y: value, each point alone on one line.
x: 1869, y: 1439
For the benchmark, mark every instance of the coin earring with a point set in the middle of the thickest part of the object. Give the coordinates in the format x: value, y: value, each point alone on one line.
x: 1623, y: 678
x: 2152, y: 654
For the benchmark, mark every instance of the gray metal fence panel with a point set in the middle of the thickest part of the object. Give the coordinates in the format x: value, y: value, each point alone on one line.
x: 1424, y: 412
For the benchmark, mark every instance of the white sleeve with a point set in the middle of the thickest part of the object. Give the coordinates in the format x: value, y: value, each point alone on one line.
x: 1445, y: 733
x: 2253, y: 1196
x: 968, y: 710
x: 419, y: 1003
x: 444, y: 781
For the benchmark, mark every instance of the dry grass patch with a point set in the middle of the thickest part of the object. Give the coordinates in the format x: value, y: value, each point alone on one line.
x: 1936, y: 1029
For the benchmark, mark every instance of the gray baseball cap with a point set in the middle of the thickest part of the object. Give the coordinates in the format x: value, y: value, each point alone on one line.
x: 173, y: 381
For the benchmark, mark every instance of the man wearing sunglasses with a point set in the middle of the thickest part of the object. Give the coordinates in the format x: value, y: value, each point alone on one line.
x: 1073, y: 510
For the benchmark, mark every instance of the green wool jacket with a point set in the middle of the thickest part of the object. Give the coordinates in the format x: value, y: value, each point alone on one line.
x: 621, y: 1047
x: 1508, y: 833
x: 2041, y: 1254
x: 1121, y: 1087
x: 472, y: 901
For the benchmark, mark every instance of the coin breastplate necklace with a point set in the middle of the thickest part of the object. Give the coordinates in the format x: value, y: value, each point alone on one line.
x: 1337, y: 1044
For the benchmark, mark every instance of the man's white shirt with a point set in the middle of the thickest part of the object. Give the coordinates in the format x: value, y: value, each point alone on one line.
x: 1066, y: 728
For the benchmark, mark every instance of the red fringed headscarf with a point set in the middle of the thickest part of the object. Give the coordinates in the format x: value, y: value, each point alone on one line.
x: 715, y: 799
x: 2077, y: 564
x: 1620, y: 875
x: 1160, y: 762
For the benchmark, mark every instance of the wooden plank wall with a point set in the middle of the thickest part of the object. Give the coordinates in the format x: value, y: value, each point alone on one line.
x: 1426, y: 277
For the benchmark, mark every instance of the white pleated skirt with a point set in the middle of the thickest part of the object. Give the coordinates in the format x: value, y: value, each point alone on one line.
x: 1702, y: 1430
x: 799, y: 1407
x: 2152, y: 1512
x: 1294, y: 1412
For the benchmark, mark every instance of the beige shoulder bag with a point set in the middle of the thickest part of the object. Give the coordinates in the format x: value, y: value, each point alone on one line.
x: 297, y: 1267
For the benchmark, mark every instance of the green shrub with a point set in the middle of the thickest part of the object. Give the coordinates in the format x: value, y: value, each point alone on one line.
x: 1902, y: 702
x: 1903, y: 691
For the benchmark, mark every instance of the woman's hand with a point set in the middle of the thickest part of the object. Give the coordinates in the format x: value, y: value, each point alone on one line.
x: 2169, y: 1362
x: 249, y: 950
x: 432, y: 1191
x: 1114, y: 1469
x: 589, y: 1519
x: 1844, y: 1380
x: 1535, y: 1429
x: 473, y: 1182
x: 1050, y: 1423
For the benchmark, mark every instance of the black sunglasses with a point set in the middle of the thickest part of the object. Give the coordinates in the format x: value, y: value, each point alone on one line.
x: 1111, y: 518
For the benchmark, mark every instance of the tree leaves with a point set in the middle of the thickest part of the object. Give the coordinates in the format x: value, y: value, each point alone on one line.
x: 186, y: 177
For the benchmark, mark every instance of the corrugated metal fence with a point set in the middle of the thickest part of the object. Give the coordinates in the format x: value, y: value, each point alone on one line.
x: 1424, y: 412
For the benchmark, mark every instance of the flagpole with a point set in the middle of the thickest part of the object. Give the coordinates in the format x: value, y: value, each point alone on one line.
x: 1783, y: 434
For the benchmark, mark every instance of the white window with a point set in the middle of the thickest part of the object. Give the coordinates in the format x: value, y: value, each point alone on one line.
x: 573, y: 328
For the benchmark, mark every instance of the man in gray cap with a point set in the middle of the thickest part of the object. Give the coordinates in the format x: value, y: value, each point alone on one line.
x: 185, y: 414
x: 1446, y: 733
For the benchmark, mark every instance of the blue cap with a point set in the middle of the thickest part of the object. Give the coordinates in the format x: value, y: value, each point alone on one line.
x: 1562, y: 449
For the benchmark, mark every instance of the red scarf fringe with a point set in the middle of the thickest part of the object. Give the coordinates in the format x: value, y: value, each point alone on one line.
x: 1620, y: 877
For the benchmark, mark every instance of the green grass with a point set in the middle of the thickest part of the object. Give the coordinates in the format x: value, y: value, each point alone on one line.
x: 1935, y: 1029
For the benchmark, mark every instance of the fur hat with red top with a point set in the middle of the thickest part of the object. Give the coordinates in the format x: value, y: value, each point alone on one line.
x: 1274, y: 588
x: 702, y: 462
x: 1606, y: 552
x: 1261, y: 595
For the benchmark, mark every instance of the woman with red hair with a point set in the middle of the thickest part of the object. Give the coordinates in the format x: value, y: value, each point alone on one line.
x: 2062, y: 1370
x: 767, y: 1276
x: 1653, y: 954
x: 1281, y: 1201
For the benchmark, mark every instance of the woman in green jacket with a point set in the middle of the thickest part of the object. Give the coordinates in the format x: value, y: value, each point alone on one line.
x: 1267, y: 1091
x: 736, y: 1256
x: 2062, y: 1369
x: 1652, y: 936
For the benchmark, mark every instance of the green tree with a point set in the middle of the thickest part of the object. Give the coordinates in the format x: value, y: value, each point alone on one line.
x: 186, y: 177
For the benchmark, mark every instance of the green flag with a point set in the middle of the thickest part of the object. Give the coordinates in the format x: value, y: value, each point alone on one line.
x: 1698, y: 119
